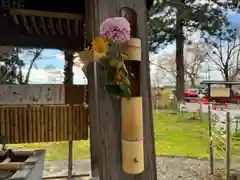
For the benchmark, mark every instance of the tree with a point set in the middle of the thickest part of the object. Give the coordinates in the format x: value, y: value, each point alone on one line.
x: 35, y: 53
x: 224, y: 52
x: 235, y: 4
x: 157, y: 77
x: 11, y: 70
x: 195, y: 56
x: 195, y: 59
x: 165, y: 68
x: 178, y: 17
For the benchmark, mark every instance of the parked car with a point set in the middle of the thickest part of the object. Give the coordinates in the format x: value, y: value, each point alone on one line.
x: 192, y: 93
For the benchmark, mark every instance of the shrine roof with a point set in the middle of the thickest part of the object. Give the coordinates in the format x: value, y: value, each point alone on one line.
x: 211, y: 82
x: 44, y: 23
x: 76, y: 6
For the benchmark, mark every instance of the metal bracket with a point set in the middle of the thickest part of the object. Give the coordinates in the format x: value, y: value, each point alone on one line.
x: 4, y: 142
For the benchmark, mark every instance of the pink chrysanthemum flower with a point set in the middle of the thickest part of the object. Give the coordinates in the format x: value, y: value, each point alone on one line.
x: 116, y: 28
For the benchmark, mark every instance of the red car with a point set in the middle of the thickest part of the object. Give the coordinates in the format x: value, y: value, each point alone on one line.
x: 191, y: 93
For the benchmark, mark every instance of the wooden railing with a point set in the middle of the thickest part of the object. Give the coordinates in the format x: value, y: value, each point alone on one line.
x: 38, y: 123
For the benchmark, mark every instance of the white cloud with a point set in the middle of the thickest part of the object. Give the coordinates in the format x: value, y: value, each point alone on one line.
x: 59, y: 56
x: 55, y: 76
x: 77, y: 60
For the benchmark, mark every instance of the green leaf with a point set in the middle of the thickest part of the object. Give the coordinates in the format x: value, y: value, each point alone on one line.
x: 126, y: 92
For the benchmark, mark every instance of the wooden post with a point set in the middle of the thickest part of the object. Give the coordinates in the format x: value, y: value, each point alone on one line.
x: 107, y: 126
x: 210, y: 140
x: 200, y: 110
x: 70, y: 161
x: 92, y: 95
x: 68, y: 80
x: 228, y: 145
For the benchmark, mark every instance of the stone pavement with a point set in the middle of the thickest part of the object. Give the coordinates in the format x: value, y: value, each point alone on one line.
x: 60, y: 168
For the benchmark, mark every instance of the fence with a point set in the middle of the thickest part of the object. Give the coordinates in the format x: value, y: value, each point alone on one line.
x: 226, y: 144
x: 181, y: 130
x: 43, y: 123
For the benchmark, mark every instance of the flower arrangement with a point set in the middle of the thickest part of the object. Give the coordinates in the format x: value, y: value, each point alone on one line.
x: 113, y: 32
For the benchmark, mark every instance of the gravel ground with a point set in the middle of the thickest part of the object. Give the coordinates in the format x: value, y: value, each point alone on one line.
x: 181, y: 168
x: 169, y: 168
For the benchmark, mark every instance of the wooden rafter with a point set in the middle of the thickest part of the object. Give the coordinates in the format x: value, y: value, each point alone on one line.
x: 46, y: 14
x: 47, y: 23
x: 33, y: 20
x: 60, y: 26
x: 15, y: 19
x: 43, y: 25
x: 68, y: 27
x: 51, y: 26
x: 76, y: 27
x: 25, y: 22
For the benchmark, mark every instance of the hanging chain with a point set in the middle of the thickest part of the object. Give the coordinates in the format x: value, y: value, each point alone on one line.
x: 85, y: 104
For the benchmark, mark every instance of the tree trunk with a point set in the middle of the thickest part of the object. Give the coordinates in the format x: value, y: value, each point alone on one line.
x: 192, y: 79
x: 36, y: 56
x: 235, y: 3
x: 179, y: 59
x: 226, y: 74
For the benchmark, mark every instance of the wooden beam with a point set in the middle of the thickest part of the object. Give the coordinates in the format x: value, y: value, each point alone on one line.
x: 43, y: 41
x: 108, y: 110
x: 46, y: 14
x: 16, y: 35
x: 11, y: 166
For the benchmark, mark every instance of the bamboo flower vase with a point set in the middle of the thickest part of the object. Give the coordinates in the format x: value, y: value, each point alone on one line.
x: 132, y: 121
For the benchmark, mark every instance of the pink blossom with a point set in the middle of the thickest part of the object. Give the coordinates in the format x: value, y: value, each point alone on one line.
x: 116, y: 28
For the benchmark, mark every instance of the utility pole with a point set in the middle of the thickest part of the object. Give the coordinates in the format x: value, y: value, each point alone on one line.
x: 209, y: 72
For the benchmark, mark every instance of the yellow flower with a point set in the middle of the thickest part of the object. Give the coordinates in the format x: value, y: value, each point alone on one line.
x: 100, y: 46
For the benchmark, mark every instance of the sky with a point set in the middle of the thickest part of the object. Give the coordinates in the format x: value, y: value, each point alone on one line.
x: 49, y: 68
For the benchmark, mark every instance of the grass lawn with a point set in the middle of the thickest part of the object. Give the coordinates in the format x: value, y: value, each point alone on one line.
x: 178, y: 135
x: 174, y: 135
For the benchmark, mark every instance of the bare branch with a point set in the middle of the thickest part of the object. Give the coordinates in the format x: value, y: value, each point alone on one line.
x: 223, y: 52
x: 159, y: 66
x: 36, y: 54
